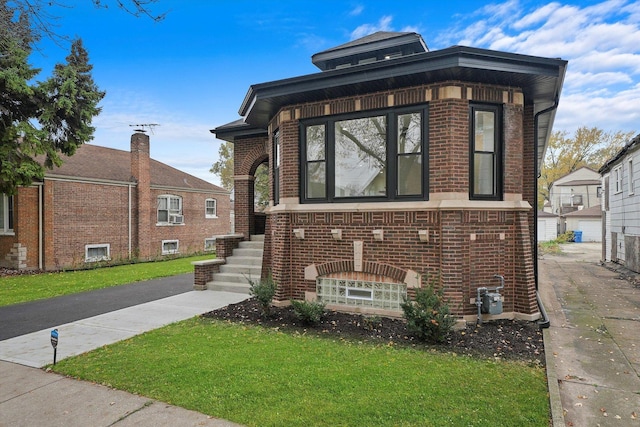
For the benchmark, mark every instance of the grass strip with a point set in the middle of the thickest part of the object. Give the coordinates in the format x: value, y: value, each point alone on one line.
x: 31, y: 287
x: 262, y: 377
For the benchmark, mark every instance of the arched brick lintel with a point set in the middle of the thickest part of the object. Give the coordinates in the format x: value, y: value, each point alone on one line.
x: 397, y: 274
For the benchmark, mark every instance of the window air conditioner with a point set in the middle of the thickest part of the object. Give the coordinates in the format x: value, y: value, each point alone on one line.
x: 176, y: 219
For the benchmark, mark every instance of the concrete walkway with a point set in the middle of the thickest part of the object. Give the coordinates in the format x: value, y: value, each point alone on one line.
x: 32, y: 397
x: 593, y: 343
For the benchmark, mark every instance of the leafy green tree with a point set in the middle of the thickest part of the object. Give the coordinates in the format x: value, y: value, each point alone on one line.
x: 223, y: 168
x: 40, y: 121
x: 589, y: 147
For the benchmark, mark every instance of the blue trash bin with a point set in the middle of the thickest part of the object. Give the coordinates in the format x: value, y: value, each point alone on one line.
x: 577, y: 236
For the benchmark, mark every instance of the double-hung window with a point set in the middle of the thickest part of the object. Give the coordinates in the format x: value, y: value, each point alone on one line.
x: 617, y: 179
x: 210, y: 208
x: 6, y: 213
x: 170, y: 210
x: 379, y: 156
x: 485, y: 180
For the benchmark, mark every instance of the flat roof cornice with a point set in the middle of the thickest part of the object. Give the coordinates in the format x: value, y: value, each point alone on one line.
x: 540, y: 78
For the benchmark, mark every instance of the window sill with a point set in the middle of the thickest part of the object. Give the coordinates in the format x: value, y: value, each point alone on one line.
x: 167, y: 224
x: 7, y: 233
x: 88, y: 261
x: 211, y: 216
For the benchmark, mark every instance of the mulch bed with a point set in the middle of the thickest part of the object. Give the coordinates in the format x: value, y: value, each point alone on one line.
x: 501, y: 339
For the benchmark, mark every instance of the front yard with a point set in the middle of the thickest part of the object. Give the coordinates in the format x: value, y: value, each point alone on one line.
x: 264, y: 376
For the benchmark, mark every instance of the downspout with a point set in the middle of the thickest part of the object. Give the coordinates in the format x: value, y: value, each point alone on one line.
x: 129, y: 213
x: 40, y: 227
x: 544, y: 322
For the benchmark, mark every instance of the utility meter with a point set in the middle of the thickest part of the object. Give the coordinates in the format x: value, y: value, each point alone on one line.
x: 492, y: 303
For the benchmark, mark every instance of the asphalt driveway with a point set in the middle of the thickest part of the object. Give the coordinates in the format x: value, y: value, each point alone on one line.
x: 21, y: 319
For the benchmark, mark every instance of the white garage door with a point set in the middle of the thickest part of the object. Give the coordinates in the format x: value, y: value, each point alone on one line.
x: 547, y: 229
x: 591, y: 230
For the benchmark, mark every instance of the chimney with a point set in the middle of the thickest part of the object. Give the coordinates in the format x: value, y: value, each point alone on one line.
x: 142, y: 206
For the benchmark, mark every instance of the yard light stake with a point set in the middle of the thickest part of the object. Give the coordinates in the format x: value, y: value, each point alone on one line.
x: 54, y: 344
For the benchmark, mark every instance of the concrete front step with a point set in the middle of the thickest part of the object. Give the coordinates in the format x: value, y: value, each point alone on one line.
x: 252, y: 245
x: 238, y: 288
x: 243, y: 265
x: 244, y: 260
x: 248, y: 270
x: 234, y: 277
x: 241, y: 252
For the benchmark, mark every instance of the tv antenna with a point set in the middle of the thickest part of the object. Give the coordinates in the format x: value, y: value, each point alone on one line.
x: 143, y: 127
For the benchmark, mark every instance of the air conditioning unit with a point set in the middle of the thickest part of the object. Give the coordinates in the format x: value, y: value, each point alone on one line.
x: 176, y: 219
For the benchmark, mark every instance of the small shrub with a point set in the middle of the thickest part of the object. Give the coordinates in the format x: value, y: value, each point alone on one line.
x: 428, y: 316
x: 263, y: 290
x: 567, y: 236
x: 309, y: 312
x: 371, y: 323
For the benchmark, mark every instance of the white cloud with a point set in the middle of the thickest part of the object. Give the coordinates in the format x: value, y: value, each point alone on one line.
x: 600, y: 41
x: 356, y: 10
x: 384, y: 24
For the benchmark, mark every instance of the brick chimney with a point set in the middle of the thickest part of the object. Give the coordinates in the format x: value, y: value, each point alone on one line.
x: 142, y: 212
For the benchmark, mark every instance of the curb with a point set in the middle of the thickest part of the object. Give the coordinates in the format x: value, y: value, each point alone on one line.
x: 557, y: 412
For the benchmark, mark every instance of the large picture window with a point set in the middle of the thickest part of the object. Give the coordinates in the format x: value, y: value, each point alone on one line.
x: 378, y: 157
x: 486, y: 153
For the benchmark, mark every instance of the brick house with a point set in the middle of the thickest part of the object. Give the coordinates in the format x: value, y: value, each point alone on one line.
x: 104, y: 204
x: 396, y: 166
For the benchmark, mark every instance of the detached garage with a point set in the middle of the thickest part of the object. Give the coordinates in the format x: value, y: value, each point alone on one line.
x: 547, y: 226
x: 588, y: 220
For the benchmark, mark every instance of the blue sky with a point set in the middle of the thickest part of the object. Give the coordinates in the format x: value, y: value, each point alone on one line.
x: 190, y: 72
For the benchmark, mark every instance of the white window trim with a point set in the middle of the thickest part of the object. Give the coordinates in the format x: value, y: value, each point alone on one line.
x: 210, y: 239
x: 170, y: 214
x: 171, y: 251
x: 97, y: 259
x: 617, y: 179
x: 4, y: 221
x: 630, y: 176
x: 215, y: 208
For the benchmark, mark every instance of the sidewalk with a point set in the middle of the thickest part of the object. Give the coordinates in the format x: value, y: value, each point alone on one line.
x: 593, y: 343
x: 30, y: 397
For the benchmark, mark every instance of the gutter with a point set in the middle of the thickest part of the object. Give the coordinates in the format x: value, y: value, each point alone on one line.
x: 544, y: 322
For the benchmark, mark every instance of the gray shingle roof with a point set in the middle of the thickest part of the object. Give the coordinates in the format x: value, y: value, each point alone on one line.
x: 108, y: 164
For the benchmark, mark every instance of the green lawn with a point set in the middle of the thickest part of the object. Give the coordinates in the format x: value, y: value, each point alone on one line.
x: 24, y: 288
x: 262, y: 377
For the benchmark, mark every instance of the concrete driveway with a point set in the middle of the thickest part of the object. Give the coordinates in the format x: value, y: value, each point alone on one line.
x: 594, y: 337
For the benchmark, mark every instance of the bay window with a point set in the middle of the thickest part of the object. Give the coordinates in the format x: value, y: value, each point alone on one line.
x: 486, y: 153
x: 380, y: 156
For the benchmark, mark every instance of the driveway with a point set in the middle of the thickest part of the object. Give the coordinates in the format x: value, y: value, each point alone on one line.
x: 594, y: 337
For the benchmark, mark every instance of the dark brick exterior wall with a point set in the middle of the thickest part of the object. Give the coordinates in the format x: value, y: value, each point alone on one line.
x: 469, y: 242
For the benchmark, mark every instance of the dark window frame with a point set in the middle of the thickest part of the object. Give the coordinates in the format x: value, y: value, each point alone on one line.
x: 277, y: 151
x: 498, y: 153
x: 392, y: 155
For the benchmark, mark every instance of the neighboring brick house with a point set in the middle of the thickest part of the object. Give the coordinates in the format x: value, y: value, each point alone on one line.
x: 621, y: 206
x: 104, y: 204
x: 396, y: 166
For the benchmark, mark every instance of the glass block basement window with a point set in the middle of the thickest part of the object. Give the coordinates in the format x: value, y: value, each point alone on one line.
x: 361, y: 293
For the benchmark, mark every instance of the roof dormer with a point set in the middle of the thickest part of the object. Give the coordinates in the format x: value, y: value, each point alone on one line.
x: 375, y: 47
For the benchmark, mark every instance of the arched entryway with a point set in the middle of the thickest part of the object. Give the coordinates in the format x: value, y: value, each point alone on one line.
x: 248, y: 155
